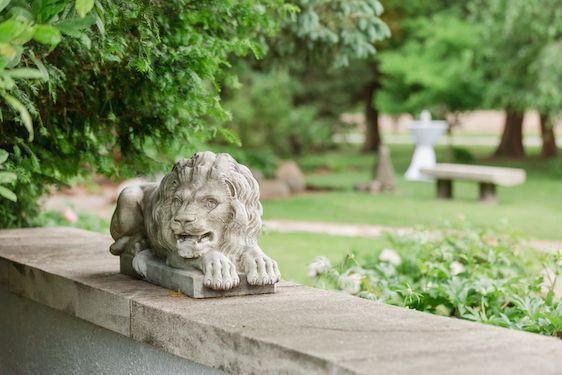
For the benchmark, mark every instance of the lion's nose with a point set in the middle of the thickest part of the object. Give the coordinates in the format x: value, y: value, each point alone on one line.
x: 185, y: 219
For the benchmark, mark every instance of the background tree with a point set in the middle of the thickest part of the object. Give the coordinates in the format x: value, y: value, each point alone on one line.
x: 433, y: 67
x: 319, y: 57
x: 519, y: 40
x: 546, y: 94
x: 411, y: 26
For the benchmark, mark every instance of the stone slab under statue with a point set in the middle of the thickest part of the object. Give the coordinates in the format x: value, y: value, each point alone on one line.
x: 196, y: 231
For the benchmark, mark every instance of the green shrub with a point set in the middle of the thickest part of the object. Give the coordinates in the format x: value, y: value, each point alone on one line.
x: 482, y: 275
x: 265, y: 116
x: 146, y: 77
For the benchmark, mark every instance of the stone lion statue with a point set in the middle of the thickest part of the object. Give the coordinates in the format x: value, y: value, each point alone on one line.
x: 205, y: 213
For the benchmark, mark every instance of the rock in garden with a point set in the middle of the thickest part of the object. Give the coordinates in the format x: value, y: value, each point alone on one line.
x: 290, y: 173
x: 274, y: 189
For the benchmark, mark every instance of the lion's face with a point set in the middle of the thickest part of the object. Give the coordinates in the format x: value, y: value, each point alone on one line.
x: 208, y: 202
x: 199, y: 216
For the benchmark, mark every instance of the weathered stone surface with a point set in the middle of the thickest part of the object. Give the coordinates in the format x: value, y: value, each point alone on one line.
x: 126, y: 265
x: 289, y: 172
x: 298, y: 330
x: 492, y: 175
x: 23, y: 273
x: 187, y: 281
x: 206, y: 214
x: 39, y: 340
x: 257, y: 175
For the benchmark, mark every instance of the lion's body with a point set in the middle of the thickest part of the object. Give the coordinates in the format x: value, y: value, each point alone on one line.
x: 207, y: 207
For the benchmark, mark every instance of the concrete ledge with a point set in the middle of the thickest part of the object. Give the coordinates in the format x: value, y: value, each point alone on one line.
x: 298, y: 330
x: 36, y: 339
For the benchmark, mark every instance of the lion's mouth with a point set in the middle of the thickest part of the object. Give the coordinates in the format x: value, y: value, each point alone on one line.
x: 205, y: 237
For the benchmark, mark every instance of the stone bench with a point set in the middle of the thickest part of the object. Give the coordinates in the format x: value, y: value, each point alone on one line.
x: 487, y: 177
x: 66, y: 309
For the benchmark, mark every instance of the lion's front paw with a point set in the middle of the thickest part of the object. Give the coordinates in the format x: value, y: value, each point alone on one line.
x: 220, y: 272
x: 261, y: 270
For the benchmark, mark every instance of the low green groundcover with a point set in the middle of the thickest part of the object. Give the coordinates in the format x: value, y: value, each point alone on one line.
x: 484, y: 275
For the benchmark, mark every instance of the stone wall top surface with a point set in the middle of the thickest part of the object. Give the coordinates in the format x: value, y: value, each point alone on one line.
x: 298, y: 330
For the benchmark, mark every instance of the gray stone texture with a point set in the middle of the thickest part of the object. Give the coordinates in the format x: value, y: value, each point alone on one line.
x: 205, y: 214
x: 298, y: 330
x: 187, y: 281
x: 39, y: 340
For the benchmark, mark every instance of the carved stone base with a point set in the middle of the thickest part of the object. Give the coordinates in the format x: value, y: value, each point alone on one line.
x: 187, y: 281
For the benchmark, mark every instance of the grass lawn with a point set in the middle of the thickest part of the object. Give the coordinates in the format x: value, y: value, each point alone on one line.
x: 295, y: 251
x: 533, y: 208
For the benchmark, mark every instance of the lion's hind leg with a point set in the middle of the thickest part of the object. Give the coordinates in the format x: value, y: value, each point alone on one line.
x: 127, y: 223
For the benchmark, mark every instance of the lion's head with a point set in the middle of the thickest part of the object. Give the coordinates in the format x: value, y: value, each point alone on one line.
x: 206, y: 202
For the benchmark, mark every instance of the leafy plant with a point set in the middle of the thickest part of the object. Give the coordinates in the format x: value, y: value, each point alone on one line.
x: 6, y: 178
x: 148, y: 79
x: 433, y: 68
x: 291, y: 101
x: 265, y: 117
x: 331, y: 32
x: 24, y: 26
x: 482, y: 275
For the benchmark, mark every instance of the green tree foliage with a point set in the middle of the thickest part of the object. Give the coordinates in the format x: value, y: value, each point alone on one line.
x: 518, y: 35
x: 434, y: 67
x: 520, y: 46
x: 24, y: 29
x: 452, y: 56
x: 265, y: 117
x: 330, y: 32
x: 147, y: 78
x: 317, y: 63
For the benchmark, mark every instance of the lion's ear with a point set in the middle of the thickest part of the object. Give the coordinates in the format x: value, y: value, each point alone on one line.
x: 231, y: 188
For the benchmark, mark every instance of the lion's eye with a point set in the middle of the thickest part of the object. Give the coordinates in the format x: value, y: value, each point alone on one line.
x: 177, y: 200
x: 212, y: 203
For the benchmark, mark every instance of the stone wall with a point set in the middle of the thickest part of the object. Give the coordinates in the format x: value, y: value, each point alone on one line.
x: 36, y: 339
x: 84, y: 309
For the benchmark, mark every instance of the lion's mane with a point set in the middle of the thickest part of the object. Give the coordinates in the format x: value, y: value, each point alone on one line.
x: 242, y: 230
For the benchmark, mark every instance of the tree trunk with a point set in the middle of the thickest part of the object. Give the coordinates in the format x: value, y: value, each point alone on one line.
x: 511, y: 144
x: 372, y: 136
x: 549, y: 148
